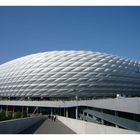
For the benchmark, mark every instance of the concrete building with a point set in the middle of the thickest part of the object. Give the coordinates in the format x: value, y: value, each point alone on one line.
x: 90, y: 86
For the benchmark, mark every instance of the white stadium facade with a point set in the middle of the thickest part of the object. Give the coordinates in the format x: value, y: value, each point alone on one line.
x: 89, y: 86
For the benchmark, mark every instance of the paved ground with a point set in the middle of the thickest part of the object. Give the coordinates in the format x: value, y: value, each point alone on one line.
x: 49, y: 127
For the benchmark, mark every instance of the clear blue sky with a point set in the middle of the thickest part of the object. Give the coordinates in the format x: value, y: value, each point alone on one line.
x: 28, y: 30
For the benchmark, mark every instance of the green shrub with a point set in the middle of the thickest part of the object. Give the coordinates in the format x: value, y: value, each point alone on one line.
x: 9, y: 115
x: 17, y: 115
x: 2, y: 116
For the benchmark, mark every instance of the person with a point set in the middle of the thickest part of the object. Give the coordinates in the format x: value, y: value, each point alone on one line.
x: 54, y: 118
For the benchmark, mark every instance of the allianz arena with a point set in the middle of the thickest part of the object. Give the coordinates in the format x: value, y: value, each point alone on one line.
x: 70, y: 73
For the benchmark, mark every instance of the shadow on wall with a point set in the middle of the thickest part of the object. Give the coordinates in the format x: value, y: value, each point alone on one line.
x: 32, y: 128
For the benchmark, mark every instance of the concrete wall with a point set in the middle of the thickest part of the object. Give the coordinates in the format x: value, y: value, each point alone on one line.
x: 17, y: 125
x: 131, y: 105
x: 82, y: 127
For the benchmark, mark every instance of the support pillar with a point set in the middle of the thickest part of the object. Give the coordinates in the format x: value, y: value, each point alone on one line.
x: 13, y: 112
x: 67, y: 113
x: 27, y: 110
x: 76, y: 111
x: 51, y: 111
x: 102, y: 121
x: 6, y: 113
x: 22, y: 111
x: 116, y: 114
x: 64, y: 112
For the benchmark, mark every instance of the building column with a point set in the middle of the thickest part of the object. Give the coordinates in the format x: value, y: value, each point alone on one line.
x: 116, y: 114
x: 6, y: 113
x: 27, y: 110
x: 67, y: 113
x: 102, y: 121
x: 64, y: 112
x: 13, y: 112
x: 22, y: 111
x: 51, y: 111
x: 76, y: 109
x: 83, y: 118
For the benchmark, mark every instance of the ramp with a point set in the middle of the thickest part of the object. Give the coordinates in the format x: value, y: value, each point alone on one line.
x: 49, y: 127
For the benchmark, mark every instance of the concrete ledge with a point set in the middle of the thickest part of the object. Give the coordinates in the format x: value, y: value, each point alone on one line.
x: 82, y: 127
x: 130, y: 105
x: 17, y: 125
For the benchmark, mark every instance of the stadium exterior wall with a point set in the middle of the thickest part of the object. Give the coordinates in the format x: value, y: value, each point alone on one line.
x: 69, y: 73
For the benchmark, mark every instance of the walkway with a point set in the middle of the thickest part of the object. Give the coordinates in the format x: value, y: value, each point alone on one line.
x: 49, y: 127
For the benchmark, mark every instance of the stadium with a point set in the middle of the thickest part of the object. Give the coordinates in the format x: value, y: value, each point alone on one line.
x: 89, y: 86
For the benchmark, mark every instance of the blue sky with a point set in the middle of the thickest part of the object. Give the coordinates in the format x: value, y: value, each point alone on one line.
x: 28, y: 30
